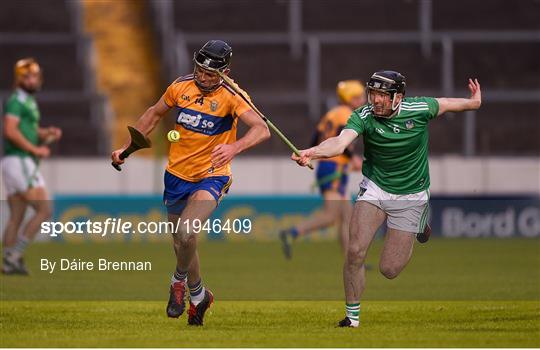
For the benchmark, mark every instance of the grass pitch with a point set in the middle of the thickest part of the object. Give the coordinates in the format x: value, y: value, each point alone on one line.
x: 454, y: 293
x: 272, y: 324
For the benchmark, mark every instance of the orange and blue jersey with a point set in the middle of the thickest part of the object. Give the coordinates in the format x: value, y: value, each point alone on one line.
x: 204, y: 121
x: 331, y: 125
x: 332, y: 173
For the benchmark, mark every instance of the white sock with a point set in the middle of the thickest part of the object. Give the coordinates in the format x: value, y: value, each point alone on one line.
x: 178, y: 276
x: 196, y: 293
x: 20, y: 246
x: 353, y: 313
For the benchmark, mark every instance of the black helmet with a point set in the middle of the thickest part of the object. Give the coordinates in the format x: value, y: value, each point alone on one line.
x: 215, y: 54
x: 387, y: 81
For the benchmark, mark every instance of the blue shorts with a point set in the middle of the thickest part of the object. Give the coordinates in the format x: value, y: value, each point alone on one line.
x: 177, y: 190
x: 328, y: 177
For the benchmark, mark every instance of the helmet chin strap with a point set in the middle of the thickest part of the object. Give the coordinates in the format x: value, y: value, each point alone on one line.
x: 209, y: 89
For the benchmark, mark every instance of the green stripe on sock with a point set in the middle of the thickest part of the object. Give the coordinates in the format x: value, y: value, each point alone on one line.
x: 353, y: 311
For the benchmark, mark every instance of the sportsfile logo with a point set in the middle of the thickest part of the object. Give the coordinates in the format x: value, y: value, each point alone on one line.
x: 119, y: 226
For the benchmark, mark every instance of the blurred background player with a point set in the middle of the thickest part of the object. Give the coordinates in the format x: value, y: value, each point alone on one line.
x: 25, y: 143
x: 199, y: 173
x: 332, y: 173
x: 396, y: 181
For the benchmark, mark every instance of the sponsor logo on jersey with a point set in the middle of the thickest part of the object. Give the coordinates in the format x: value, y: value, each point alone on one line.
x: 203, y: 123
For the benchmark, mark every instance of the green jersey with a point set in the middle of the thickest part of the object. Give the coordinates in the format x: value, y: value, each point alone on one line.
x: 396, y: 149
x: 24, y: 107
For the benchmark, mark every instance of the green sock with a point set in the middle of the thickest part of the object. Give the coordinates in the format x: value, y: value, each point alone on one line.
x: 353, y: 311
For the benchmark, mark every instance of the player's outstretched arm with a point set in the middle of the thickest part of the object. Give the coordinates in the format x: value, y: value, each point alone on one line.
x: 329, y: 148
x: 257, y: 133
x: 146, y: 123
x: 447, y: 104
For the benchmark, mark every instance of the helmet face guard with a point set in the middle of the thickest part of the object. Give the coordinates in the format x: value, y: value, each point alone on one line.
x: 202, y: 87
x: 214, y: 56
x: 387, y: 82
x: 209, y: 63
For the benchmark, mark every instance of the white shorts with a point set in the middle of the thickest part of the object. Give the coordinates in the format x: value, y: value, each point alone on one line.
x: 407, y: 212
x: 19, y: 174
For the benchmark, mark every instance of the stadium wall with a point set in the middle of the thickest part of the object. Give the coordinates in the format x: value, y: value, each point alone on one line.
x: 278, y: 175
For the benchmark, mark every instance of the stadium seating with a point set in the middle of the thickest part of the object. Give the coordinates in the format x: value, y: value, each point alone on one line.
x: 74, y: 115
x: 31, y: 16
x: 365, y: 15
x: 58, y: 61
x: 231, y: 15
x: 361, y: 60
x: 270, y: 73
x: 498, y: 15
x: 47, y: 30
x: 294, y: 122
x: 508, y: 128
x: 265, y: 69
x: 499, y: 65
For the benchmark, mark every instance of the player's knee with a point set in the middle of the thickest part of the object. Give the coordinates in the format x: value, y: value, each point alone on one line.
x: 184, y: 239
x: 389, y: 271
x: 356, y: 255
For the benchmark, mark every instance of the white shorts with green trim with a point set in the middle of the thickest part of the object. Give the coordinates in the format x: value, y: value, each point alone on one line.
x: 19, y: 174
x: 408, y: 212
